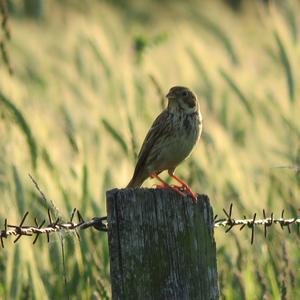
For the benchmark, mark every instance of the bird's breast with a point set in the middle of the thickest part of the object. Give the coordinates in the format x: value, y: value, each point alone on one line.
x: 186, y: 130
x: 188, y: 135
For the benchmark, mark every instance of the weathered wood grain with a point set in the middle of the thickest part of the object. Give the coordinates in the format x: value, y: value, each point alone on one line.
x: 161, y: 245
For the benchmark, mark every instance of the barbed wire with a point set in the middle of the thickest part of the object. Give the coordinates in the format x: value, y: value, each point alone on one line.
x: 266, y: 222
x: 53, y: 226
x: 100, y: 224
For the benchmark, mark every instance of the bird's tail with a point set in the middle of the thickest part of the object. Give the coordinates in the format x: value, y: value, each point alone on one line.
x: 135, y: 182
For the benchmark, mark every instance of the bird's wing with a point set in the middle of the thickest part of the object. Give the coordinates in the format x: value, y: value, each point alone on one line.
x: 158, y: 128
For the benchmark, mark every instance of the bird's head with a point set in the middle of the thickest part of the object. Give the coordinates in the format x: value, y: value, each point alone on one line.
x: 182, y: 99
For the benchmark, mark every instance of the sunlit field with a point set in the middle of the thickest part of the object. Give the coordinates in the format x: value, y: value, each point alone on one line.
x: 89, y: 78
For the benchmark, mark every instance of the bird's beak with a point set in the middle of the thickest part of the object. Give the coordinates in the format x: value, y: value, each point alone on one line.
x: 170, y: 95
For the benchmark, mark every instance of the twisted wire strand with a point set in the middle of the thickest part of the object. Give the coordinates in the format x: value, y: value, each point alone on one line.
x: 100, y: 223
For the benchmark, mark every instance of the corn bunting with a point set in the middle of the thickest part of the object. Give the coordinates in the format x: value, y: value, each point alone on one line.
x: 170, y: 140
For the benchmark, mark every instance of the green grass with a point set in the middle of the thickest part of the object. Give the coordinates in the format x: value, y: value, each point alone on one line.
x: 22, y: 124
x: 89, y: 80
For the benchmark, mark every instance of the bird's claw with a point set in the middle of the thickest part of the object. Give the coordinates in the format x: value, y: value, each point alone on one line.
x: 184, y: 188
x: 160, y: 186
x: 181, y: 189
x: 171, y: 187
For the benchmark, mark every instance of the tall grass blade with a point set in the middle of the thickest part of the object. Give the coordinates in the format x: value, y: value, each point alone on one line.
x: 159, y: 91
x: 289, y: 13
x: 74, y: 278
x: 54, y: 251
x: 271, y: 53
x: 207, y: 83
x: 273, y: 281
x: 291, y: 125
x: 3, y: 179
x: 31, y: 287
x: 100, y: 57
x: 23, y: 125
x: 84, y: 189
x: 79, y: 61
x: 115, y: 135
x: 16, y: 283
x: 133, y: 139
x: 235, y: 88
x: 69, y: 130
x: 19, y: 192
x: 220, y: 35
x: 287, y: 67
x: 140, y: 95
x: 223, y: 115
x: 47, y: 160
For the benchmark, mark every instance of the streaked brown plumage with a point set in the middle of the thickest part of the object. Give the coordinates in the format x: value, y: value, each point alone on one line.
x: 171, y: 138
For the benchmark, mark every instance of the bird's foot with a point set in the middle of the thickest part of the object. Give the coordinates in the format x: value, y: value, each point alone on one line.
x: 191, y: 193
x: 184, y: 187
x: 164, y: 185
x: 169, y: 187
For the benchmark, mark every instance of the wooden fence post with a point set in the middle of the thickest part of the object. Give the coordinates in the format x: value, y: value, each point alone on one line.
x: 161, y: 245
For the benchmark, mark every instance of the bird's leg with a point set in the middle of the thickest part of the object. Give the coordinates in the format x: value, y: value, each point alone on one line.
x: 165, y: 185
x: 185, y: 187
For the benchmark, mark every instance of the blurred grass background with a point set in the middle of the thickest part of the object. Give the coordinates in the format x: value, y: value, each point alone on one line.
x: 89, y: 78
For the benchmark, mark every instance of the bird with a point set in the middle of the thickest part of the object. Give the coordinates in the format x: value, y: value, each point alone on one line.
x: 170, y: 140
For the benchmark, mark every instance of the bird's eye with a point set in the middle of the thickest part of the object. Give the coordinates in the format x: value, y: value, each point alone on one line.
x: 184, y: 93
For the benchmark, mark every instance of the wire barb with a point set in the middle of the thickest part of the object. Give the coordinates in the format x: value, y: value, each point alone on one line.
x: 100, y: 224
x: 56, y: 226
x: 230, y: 222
